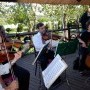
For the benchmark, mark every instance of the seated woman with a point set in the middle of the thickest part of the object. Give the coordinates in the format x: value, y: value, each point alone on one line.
x: 85, y: 42
x: 20, y: 73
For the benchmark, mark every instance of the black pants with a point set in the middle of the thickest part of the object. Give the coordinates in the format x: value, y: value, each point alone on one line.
x: 22, y: 75
x: 84, y: 53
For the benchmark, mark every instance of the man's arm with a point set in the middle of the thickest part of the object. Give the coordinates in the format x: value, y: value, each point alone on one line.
x: 82, y: 43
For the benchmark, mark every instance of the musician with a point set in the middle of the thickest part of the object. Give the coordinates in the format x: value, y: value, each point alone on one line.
x: 20, y: 73
x: 84, y: 18
x: 39, y: 42
x: 48, y: 55
x: 85, y: 41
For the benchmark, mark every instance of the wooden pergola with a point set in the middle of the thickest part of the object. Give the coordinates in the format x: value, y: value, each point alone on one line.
x: 73, y: 2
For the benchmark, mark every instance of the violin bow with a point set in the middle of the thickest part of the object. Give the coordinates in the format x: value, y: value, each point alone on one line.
x: 12, y: 72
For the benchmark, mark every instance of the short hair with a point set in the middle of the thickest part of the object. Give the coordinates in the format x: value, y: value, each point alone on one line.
x: 88, y: 23
x: 39, y: 25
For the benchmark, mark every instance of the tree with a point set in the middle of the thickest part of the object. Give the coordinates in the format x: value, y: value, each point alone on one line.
x: 25, y: 14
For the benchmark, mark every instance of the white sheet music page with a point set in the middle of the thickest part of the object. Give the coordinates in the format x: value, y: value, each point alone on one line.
x: 53, y: 71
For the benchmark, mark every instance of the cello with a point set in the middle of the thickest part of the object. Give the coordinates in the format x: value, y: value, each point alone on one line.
x: 87, y: 61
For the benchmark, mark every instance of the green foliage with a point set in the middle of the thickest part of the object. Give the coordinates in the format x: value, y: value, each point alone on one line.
x: 43, y: 19
x: 25, y: 14
x: 19, y: 28
x: 8, y: 30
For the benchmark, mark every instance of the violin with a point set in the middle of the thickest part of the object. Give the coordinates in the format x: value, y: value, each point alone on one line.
x: 14, y: 44
x: 3, y: 56
x: 47, y: 36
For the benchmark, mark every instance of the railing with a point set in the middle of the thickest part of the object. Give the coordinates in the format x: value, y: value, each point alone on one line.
x: 69, y: 29
x: 32, y: 33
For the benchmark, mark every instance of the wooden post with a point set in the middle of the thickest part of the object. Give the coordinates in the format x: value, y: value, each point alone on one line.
x: 69, y: 34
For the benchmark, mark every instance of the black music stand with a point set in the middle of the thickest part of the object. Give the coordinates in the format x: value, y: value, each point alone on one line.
x: 44, y: 48
x: 37, y: 60
x: 53, y: 71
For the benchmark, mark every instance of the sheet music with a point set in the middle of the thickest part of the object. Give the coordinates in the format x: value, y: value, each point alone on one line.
x: 53, y: 71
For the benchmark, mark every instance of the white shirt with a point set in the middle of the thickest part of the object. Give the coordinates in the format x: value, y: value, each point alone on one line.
x: 37, y: 41
x: 5, y: 69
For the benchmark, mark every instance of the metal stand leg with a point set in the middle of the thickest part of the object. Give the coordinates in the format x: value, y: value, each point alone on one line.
x: 38, y: 67
x: 67, y: 81
x: 40, y: 82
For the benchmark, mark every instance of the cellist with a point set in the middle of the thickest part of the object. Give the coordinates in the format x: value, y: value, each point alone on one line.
x: 85, y: 42
x: 22, y: 75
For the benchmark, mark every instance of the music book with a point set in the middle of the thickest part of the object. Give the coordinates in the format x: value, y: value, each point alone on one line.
x: 41, y: 52
x: 53, y: 71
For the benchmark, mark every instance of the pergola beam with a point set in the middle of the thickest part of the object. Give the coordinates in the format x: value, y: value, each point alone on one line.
x: 56, y: 2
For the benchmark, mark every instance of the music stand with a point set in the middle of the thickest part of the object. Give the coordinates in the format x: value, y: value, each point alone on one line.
x: 41, y: 52
x: 53, y: 71
x: 43, y: 49
x: 66, y: 49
